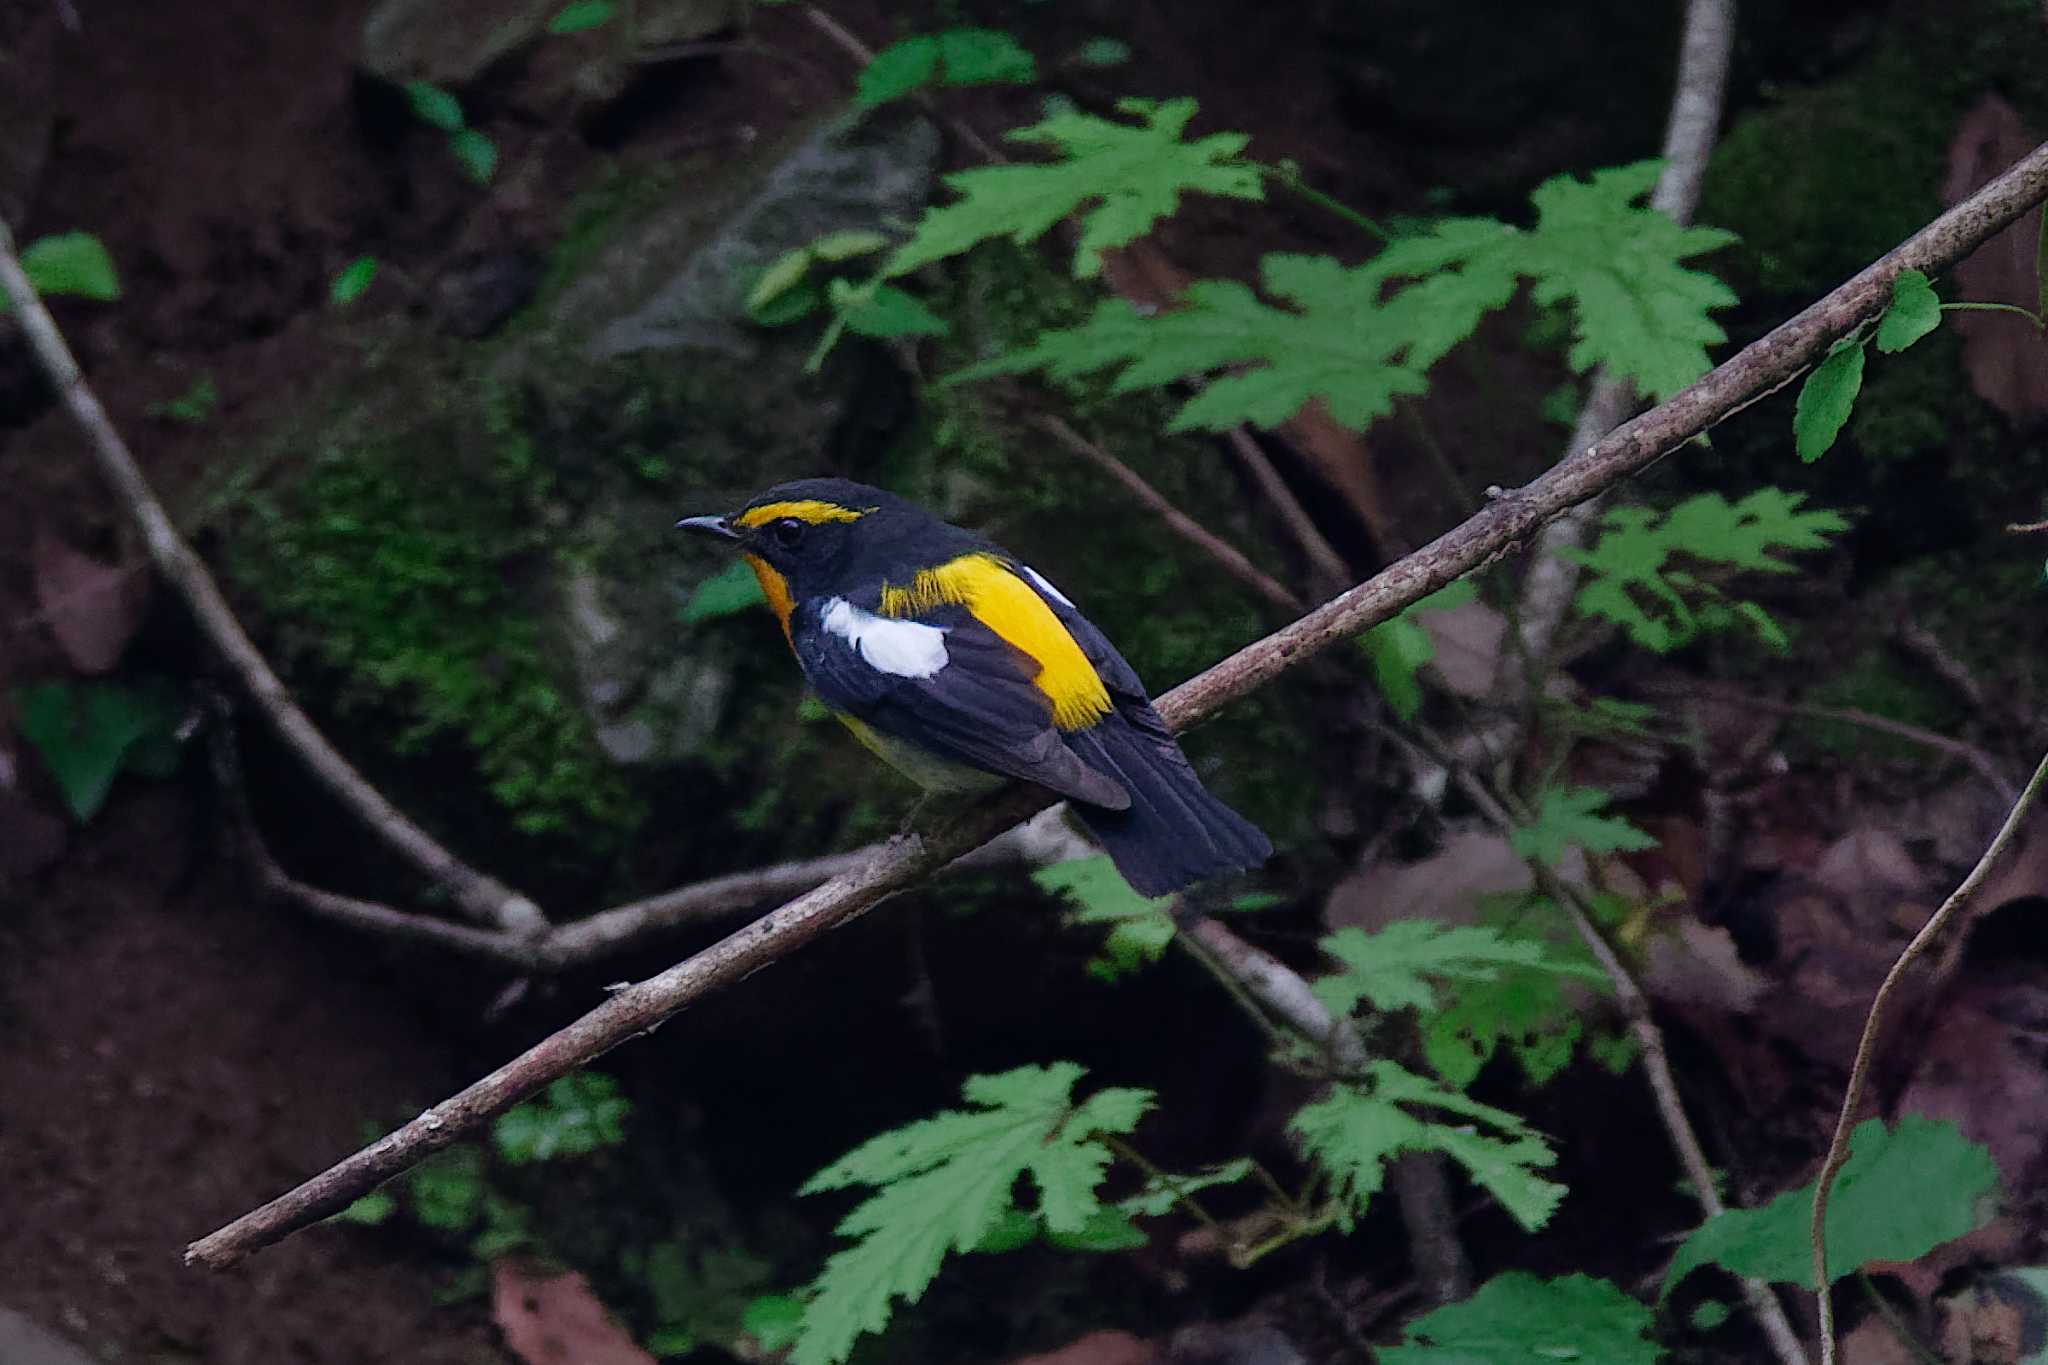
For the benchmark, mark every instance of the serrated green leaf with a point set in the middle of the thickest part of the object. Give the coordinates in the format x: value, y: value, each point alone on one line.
x: 1139, y: 929
x: 1915, y: 310
x: 434, y: 106
x: 1632, y: 579
x: 941, y: 1184
x: 731, y: 590
x: 1903, y: 1192
x: 956, y: 56
x: 582, y: 16
x: 477, y: 154
x: 1517, y: 1317
x: 1393, y: 969
x: 70, y: 263
x: 1355, y: 1130
x: 1826, y: 399
x: 1521, y: 1009
x: 883, y: 311
x: 353, y: 281
x: 88, y: 734
x: 1571, y: 815
x: 1120, y: 178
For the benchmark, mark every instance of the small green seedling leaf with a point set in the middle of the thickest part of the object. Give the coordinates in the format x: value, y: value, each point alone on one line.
x: 579, y: 1114
x: 353, y: 281
x: 1139, y: 929
x: 434, y: 106
x: 1101, y: 52
x: 1903, y: 1192
x: 882, y: 311
x: 956, y: 56
x: 194, y: 407
x: 477, y: 154
x: 1162, y: 1191
x: 70, y: 263
x: 373, y: 1208
x: 1915, y: 310
x: 939, y: 1185
x: 1517, y: 1317
x: 1571, y: 815
x: 782, y: 274
x: 731, y: 590
x: 582, y: 16
x: 1399, y: 648
x: 772, y: 1321
x: 1826, y: 399
x: 846, y: 245
x: 90, y: 733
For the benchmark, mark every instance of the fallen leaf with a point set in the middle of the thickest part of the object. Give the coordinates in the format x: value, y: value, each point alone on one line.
x: 1694, y: 964
x: 1468, y: 639
x: 556, y: 1320
x: 1444, y: 887
x: 1098, y: 1348
x: 2006, y: 362
x: 92, y: 608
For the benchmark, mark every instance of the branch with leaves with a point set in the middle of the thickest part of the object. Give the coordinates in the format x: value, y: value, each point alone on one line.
x: 1508, y: 520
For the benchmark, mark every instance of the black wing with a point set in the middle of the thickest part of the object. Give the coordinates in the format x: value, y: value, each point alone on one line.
x: 979, y: 707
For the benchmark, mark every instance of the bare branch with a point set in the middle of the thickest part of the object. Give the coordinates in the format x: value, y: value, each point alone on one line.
x: 1505, y: 522
x: 1689, y: 133
x: 1326, y: 566
x: 481, y: 896
x: 1225, y: 554
x: 1866, y: 1046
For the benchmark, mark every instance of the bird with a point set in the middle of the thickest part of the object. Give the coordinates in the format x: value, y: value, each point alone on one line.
x: 962, y: 666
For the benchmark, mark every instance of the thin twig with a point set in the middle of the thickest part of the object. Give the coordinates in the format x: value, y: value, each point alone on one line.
x: 1642, y: 1024
x: 482, y: 896
x: 1982, y: 763
x: 1924, y: 645
x: 1326, y: 567
x: 1228, y: 556
x: 1504, y: 522
x: 1866, y: 1046
x: 1689, y: 133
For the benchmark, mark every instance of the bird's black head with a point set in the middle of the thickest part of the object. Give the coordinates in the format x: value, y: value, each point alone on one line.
x: 816, y: 537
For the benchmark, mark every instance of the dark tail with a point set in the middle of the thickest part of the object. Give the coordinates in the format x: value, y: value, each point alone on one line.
x: 1175, y: 832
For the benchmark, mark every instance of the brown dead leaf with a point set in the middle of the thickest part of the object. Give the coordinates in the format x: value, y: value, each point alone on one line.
x: 1467, y: 639
x: 1099, y: 1348
x: 1693, y: 964
x: 1999, y: 1320
x: 1444, y: 887
x: 2007, y: 363
x: 92, y: 608
x: 556, y: 1320
x: 1873, y: 1342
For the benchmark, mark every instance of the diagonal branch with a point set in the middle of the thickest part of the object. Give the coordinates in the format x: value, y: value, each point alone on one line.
x: 1491, y: 532
x: 484, y: 898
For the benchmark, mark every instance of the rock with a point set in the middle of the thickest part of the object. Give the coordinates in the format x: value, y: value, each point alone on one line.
x: 452, y: 42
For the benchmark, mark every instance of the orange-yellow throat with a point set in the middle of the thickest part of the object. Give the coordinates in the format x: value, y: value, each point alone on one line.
x: 1007, y: 605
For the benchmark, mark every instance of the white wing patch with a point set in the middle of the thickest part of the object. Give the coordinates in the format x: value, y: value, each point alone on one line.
x: 904, y: 649
x: 1046, y: 587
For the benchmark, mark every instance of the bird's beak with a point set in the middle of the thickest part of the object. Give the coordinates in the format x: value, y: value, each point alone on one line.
x: 709, y: 526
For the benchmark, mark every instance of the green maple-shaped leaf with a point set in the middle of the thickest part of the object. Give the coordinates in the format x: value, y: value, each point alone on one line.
x: 1518, y: 1317
x: 1571, y: 815
x: 941, y: 1185
x: 1903, y: 1192
x: 1399, y: 648
x: 1357, y: 1128
x: 1522, y: 1009
x: 1632, y: 578
x: 1120, y: 178
x: 1393, y: 969
x: 1139, y: 928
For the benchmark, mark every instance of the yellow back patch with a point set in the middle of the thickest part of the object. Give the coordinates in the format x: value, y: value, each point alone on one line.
x: 1007, y: 605
x: 810, y: 511
x: 774, y: 587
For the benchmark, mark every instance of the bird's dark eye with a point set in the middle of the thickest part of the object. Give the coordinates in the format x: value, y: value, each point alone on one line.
x: 786, y: 530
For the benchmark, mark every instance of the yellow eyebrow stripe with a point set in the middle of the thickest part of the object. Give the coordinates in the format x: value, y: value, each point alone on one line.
x: 810, y: 511
x: 1007, y: 605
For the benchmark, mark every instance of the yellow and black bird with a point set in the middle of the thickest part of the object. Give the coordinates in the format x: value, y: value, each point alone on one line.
x: 961, y: 665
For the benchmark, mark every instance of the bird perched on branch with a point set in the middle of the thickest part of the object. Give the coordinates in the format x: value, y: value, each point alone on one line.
x: 961, y: 665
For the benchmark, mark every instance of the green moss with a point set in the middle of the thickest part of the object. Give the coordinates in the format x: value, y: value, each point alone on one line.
x: 396, y: 562
x: 1829, y: 178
